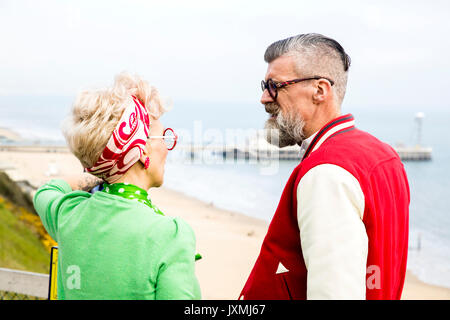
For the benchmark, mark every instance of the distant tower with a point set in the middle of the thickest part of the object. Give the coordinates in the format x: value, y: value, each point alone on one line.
x: 419, y: 118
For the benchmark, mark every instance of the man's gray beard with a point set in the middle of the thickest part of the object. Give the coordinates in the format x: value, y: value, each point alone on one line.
x: 289, y: 130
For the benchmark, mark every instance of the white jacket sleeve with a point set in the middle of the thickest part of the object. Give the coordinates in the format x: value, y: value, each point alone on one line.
x: 334, y: 241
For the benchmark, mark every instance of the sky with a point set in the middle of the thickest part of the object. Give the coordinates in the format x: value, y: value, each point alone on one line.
x: 212, y: 51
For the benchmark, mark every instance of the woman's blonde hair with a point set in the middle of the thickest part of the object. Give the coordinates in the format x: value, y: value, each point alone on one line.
x: 96, y: 112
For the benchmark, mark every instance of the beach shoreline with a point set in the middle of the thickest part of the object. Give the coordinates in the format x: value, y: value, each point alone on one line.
x: 228, y: 241
x: 9, y: 135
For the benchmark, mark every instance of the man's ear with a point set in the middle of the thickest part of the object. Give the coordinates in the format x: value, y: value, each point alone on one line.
x: 321, y: 91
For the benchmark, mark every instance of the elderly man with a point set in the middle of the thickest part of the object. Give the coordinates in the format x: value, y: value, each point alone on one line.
x: 341, y: 228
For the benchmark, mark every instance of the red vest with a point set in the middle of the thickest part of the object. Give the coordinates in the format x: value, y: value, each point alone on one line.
x: 384, y: 184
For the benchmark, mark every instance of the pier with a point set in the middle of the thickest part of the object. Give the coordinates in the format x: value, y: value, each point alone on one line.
x: 257, y: 148
x: 291, y: 153
x: 259, y: 152
x: 414, y: 153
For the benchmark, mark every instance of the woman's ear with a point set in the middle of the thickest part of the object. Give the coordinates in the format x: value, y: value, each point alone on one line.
x: 145, y: 159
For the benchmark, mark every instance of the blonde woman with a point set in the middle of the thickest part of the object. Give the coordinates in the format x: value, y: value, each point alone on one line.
x: 114, y: 243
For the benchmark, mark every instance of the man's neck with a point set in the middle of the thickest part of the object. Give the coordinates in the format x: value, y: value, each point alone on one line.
x: 330, y: 113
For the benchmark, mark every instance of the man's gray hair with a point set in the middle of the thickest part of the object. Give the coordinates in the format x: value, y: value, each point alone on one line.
x: 315, y: 55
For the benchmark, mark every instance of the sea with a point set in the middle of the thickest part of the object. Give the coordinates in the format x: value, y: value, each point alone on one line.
x: 254, y: 188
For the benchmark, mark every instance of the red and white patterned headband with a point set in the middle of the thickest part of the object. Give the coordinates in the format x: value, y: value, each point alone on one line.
x: 126, y: 144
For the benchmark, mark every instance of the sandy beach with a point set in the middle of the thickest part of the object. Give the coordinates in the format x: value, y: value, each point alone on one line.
x: 228, y: 241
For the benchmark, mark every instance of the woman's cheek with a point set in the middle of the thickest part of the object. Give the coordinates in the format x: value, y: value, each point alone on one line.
x: 162, y: 160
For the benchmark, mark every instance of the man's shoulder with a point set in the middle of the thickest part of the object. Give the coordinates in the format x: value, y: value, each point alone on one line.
x: 355, y: 145
x: 355, y: 151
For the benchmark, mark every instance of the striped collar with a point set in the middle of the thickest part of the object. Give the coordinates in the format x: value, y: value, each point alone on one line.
x: 346, y: 122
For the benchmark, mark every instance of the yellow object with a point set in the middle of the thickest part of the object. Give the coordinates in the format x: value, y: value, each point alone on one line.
x: 52, y: 290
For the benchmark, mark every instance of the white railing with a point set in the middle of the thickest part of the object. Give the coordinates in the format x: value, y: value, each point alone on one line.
x: 23, y: 282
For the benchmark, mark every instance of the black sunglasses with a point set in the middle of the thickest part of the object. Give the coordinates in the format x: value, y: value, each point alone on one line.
x: 273, y: 86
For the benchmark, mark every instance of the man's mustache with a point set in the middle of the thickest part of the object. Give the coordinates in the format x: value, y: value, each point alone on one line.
x: 272, y: 108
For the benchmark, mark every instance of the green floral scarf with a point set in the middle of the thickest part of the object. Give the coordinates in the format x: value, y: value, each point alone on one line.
x: 134, y: 193
x: 131, y: 192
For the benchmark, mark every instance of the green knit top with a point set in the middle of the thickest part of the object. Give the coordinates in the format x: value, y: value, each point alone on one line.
x: 113, y: 246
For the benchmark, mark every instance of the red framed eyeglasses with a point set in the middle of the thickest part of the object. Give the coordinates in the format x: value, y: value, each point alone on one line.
x: 170, y: 138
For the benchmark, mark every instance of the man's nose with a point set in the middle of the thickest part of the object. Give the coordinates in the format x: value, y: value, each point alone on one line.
x: 266, y: 98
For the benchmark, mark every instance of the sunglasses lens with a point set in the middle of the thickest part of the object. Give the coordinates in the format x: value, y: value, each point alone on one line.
x: 272, y: 88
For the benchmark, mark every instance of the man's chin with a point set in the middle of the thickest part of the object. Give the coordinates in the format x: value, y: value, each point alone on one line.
x: 286, y: 142
x: 276, y: 136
